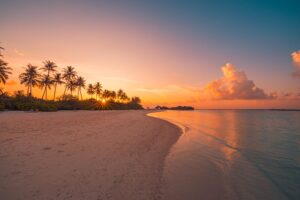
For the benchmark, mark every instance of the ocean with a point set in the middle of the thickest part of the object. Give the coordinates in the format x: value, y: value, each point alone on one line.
x: 233, y: 154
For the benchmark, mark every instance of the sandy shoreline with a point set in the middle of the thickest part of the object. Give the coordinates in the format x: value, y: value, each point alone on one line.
x: 83, y: 155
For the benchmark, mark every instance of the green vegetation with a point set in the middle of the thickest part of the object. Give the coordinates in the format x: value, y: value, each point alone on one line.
x: 72, y: 98
x: 19, y: 101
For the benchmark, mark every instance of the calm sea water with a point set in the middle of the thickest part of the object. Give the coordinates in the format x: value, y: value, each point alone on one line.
x: 234, y: 154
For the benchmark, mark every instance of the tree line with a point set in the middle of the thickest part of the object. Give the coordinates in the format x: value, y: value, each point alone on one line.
x: 47, y: 78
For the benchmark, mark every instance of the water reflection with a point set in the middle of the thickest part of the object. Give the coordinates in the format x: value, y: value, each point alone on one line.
x: 233, y: 155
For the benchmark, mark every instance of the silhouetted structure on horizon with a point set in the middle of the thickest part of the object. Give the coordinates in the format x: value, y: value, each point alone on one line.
x: 174, y: 108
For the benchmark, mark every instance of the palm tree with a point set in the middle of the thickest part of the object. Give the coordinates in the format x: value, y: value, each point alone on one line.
x: 71, y: 85
x: 57, y: 81
x: 113, y: 95
x: 30, y: 78
x: 69, y: 74
x: 4, y: 71
x: 49, y: 67
x: 80, y: 83
x: 91, y: 90
x: 136, y: 100
x: 119, y: 94
x: 124, y: 97
x: 45, y: 83
x: 98, y: 89
x: 1, y: 48
x: 106, y: 94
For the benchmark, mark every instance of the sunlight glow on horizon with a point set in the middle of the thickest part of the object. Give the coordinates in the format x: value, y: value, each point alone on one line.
x: 147, y: 55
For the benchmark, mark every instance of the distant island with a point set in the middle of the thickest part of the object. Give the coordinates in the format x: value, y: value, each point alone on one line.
x: 174, y: 108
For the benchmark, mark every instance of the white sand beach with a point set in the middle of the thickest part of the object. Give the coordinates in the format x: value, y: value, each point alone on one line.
x: 83, y: 155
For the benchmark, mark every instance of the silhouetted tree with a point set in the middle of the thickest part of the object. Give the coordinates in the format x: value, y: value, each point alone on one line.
x: 119, y: 95
x: 30, y: 78
x: 136, y: 100
x: 124, y: 97
x: 57, y: 81
x: 49, y: 67
x: 91, y: 90
x: 4, y: 69
x: 112, y: 95
x: 45, y: 83
x: 69, y: 74
x: 98, y: 89
x: 71, y: 85
x: 80, y: 83
x: 1, y: 48
x: 106, y: 94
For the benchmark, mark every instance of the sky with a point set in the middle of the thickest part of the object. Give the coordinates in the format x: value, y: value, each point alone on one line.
x: 206, y: 54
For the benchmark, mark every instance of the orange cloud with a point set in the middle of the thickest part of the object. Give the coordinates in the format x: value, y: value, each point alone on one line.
x: 233, y: 85
x: 296, y: 58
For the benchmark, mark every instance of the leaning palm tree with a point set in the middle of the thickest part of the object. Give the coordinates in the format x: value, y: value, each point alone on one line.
x: 30, y: 78
x: 69, y: 74
x: 80, y: 83
x: 4, y: 71
x: 57, y: 81
x: 98, y: 89
x: 45, y: 83
x: 91, y: 90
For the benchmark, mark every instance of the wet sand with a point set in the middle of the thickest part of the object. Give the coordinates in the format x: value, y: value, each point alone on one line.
x: 83, y: 155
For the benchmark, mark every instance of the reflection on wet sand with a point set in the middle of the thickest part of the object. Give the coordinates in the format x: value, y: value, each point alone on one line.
x: 215, y: 158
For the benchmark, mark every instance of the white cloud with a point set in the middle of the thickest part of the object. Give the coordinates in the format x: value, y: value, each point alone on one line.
x: 233, y: 85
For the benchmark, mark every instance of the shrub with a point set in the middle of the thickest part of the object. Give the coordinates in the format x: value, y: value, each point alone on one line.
x: 2, y: 106
x: 21, y: 102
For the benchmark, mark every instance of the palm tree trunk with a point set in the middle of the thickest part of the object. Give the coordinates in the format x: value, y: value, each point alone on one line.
x: 46, y: 94
x: 43, y: 93
x: 30, y: 90
x: 54, y: 91
x: 81, y: 94
x: 65, y: 92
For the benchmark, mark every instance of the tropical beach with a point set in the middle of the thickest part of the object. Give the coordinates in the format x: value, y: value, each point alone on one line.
x: 149, y: 100
x: 83, y: 155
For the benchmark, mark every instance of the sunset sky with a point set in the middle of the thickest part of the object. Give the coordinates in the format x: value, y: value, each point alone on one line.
x: 206, y: 54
